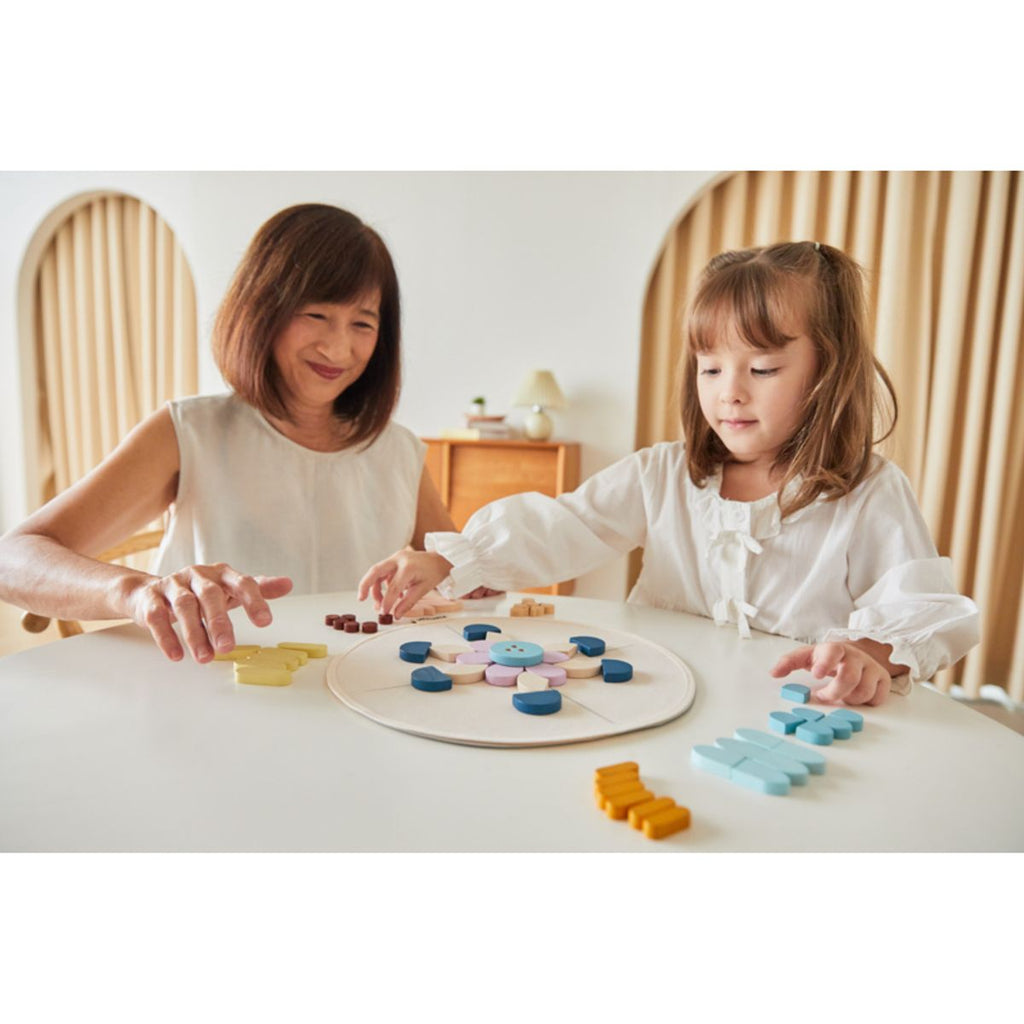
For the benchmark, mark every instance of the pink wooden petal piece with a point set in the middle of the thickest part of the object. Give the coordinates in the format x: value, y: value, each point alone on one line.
x: 502, y: 675
x: 473, y: 658
x: 552, y: 673
x: 554, y: 657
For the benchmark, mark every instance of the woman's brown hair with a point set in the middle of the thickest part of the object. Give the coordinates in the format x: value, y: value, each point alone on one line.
x: 800, y: 285
x: 304, y: 254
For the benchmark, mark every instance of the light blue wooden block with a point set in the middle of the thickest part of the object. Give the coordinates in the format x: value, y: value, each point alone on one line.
x: 808, y: 714
x: 855, y: 719
x: 796, y: 771
x: 516, y: 653
x: 815, y: 762
x: 783, y: 721
x: 796, y: 692
x: 740, y: 770
x: 840, y: 726
x: 815, y: 732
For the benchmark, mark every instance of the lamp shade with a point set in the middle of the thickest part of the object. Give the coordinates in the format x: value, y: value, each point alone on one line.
x: 540, y: 388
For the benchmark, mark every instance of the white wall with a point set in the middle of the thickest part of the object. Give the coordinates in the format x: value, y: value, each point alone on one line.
x: 500, y: 273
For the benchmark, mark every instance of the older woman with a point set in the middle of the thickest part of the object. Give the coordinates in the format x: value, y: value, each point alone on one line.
x: 295, y: 480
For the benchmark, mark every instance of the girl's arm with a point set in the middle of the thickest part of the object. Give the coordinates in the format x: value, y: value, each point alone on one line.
x: 47, y: 564
x: 525, y: 540
x: 908, y: 617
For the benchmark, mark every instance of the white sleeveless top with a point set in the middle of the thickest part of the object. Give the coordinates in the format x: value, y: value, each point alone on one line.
x: 249, y: 496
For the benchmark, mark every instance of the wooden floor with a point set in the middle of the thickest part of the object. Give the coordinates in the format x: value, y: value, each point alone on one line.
x: 13, y: 639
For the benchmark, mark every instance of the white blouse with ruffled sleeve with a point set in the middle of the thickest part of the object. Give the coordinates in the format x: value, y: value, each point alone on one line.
x: 864, y: 566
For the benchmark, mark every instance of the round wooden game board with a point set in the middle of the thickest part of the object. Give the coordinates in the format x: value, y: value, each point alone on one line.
x: 371, y: 679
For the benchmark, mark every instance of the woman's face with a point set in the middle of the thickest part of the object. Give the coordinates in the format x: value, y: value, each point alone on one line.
x: 325, y: 349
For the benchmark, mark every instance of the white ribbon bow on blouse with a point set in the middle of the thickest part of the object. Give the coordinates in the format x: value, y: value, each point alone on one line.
x: 731, y: 572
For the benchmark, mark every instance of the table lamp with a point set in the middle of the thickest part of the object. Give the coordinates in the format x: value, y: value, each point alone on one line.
x: 540, y: 391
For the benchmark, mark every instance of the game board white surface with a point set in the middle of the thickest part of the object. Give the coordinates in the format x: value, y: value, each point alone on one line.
x: 372, y: 679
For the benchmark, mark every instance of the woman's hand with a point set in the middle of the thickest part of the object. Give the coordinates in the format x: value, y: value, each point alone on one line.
x: 397, y: 583
x: 857, y: 677
x: 199, y: 598
x: 480, y: 592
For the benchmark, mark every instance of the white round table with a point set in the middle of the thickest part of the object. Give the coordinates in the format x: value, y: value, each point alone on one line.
x: 107, y: 746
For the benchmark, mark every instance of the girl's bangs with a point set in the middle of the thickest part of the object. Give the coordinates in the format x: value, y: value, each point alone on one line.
x: 744, y: 301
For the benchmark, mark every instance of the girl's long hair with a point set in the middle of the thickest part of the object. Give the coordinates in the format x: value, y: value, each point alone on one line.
x: 305, y: 254
x: 759, y: 293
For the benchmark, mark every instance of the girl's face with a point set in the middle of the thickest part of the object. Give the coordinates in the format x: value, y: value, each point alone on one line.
x: 325, y: 349
x: 753, y: 398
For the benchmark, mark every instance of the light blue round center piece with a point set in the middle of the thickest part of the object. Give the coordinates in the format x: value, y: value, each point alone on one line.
x: 516, y: 652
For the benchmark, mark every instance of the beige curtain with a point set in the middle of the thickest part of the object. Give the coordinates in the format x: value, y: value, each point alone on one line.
x: 115, y: 333
x: 944, y: 252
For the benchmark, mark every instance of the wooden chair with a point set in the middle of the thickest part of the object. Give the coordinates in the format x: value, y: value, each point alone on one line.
x: 143, y: 541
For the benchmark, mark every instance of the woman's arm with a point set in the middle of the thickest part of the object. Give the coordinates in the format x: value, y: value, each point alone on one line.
x: 46, y: 564
x: 431, y: 515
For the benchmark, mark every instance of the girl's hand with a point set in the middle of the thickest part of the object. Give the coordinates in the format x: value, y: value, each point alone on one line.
x: 199, y: 598
x: 400, y: 581
x: 857, y: 677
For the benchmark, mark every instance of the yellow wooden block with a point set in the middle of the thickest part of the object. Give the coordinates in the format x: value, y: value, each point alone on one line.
x: 290, y: 660
x: 614, y: 769
x: 262, y: 675
x: 519, y: 610
x: 310, y: 650
x: 238, y: 653
x: 640, y: 812
x: 665, y: 823
x: 289, y: 652
x: 618, y: 806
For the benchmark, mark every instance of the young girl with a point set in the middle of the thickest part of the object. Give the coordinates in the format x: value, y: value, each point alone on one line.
x: 774, y: 513
x: 298, y: 471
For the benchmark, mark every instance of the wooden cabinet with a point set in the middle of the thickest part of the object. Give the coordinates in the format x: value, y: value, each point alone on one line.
x: 470, y: 474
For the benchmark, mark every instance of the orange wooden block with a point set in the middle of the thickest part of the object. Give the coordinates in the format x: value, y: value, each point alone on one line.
x: 638, y: 813
x: 665, y: 823
x: 612, y: 769
x: 603, y: 793
x: 615, y: 783
x: 618, y: 806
